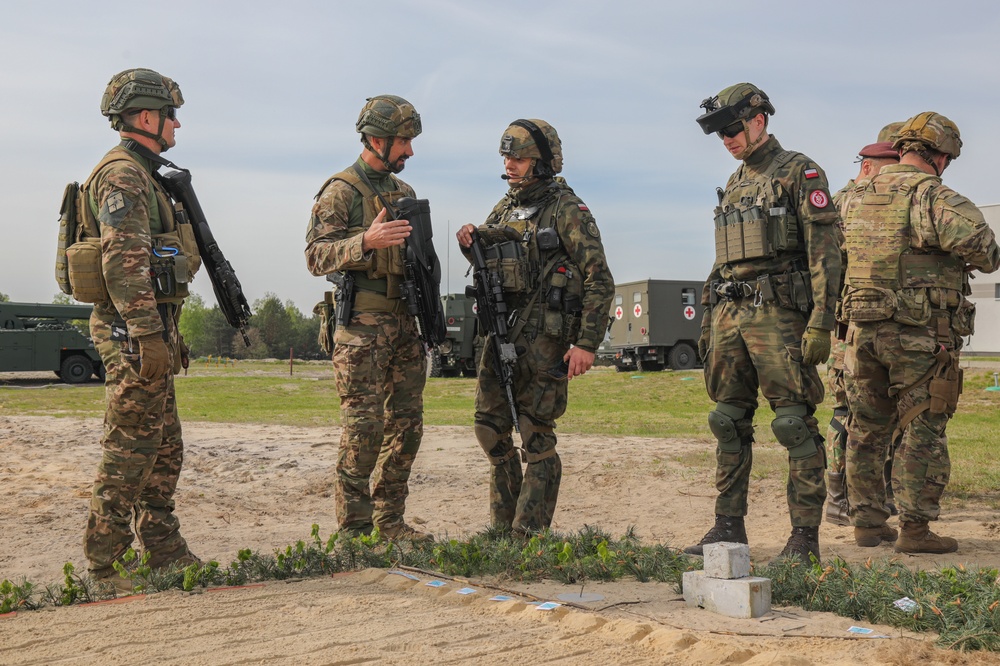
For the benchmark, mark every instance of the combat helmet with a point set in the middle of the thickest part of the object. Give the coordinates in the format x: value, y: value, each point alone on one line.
x: 387, y: 116
x: 929, y: 131
x: 888, y: 133
x: 135, y: 89
x: 534, y: 139
x: 733, y: 104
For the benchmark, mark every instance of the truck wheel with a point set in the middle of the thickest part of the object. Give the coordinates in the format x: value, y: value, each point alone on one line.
x: 622, y: 368
x: 433, y: 364
x: 76, y: 369
x: 682, y: 357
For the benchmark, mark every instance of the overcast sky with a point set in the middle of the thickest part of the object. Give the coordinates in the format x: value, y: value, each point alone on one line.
x: 273, y: 89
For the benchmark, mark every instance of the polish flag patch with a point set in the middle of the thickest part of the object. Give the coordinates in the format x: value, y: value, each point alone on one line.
x: 819, y: 199
x: 583, y: 207
x: 812, y: 173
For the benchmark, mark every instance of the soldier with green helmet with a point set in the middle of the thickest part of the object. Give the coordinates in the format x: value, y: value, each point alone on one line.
x: 128, y: 221
x: 769, y: 310
x: 872, y: 157
x: 545, y: 244
x: 379, y: 359
x: 911, y: 242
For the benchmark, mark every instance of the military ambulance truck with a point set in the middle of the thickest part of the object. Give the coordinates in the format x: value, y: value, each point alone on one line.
x: 655, y: 324
x: 459, y: 353
x: 36, y: 336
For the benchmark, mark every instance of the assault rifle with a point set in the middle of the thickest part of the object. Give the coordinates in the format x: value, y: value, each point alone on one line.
x: 228, y: 291
x: 492, y: 310
x: 422, y: 271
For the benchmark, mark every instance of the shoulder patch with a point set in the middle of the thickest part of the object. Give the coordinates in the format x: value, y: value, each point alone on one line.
x: 114, y: 209
x: 583, y: 207
x: 593, y: 230
x: 819, y: 199
x: 812, y: 173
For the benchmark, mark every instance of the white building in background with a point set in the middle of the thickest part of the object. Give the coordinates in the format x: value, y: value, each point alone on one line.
x: 986, y: 296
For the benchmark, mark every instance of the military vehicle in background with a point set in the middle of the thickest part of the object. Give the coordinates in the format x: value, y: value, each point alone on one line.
x: 36, y: 336
x: 460, y: 352
x: 655, y: 324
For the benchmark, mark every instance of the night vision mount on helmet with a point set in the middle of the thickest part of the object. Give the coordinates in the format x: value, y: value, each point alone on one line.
x: 734, y: 104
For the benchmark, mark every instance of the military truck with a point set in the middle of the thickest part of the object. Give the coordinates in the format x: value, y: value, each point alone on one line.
x: 459, y: 353
x: 36, y: 336
x: 655, y: 324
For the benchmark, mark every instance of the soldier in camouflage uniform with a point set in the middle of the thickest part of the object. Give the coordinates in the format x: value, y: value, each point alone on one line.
x: 560, y: 288
x: 873, y: 157
x: 769, y: 310
x: 378, y: 358
x: 134, y: 327
x: 910, y: 243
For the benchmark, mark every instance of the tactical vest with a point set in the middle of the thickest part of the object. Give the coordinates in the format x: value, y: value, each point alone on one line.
x: 886, y: 277
x: 756, y: 219
x: 524, y: 248
x: 174, y: 257
x: 385, y: 275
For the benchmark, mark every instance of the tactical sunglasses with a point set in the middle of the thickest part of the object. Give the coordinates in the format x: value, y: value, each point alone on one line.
x: 730, y: 131
x: 170, y: 112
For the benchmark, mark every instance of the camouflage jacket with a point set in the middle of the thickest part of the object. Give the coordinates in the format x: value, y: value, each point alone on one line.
x: 333, y: 240
x: 122, y: 196
x: 580, y: 242
x: 941, y: 219
x: 806, y: 188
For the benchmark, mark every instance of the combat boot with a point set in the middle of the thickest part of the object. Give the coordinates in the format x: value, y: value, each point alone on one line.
x: 803, y: 542
x: 404, y: 532
x: 869, y: 537
x: 916, y: 537
x: 836, y: 500
x: 730, y: 529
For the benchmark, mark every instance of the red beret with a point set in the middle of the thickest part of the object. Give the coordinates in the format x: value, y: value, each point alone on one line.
x: 882, y: 149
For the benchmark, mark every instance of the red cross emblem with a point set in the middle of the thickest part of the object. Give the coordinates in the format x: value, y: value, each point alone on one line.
x: 637, y: 310
x: 689, y: 313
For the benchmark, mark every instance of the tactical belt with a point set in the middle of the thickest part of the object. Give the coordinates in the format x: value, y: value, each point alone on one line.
x: 372, y: 301
x: 763, y: 288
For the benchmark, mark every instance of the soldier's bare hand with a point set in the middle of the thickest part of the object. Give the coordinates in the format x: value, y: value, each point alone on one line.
x: 464, y: 235
x: 385, y: 233
x: 579, y: 361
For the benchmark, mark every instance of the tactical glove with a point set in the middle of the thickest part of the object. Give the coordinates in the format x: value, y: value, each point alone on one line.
x: 154, y: 357
x: 815, y: 346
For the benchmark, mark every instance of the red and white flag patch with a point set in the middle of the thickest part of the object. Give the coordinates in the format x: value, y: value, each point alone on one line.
x: 819, y: 199
x: 812, y: 173
x: 583, y: 207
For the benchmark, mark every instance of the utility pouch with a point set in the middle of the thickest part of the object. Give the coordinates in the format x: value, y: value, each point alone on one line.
x: 782, y: 229
x: 67, y: 235
x: 327, y: 324
x: 755, y: 240
x: 509, y: 262
x: 169, y: 268
x: 552, y: 324
x: 913, y: 308
x: 189, y: 247
x: 945, y: 387
x: 557, y: 286
x: 870, y: 304
x: 801, y: 292
x: 721, y: 251
x: 963, y: 318
x: 86, y: 278
x: 571, y: 327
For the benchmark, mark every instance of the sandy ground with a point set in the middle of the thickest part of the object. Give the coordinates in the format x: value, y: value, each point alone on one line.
x: 263, y: 486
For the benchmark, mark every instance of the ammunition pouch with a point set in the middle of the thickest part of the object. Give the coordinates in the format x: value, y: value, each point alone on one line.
x: 756, y: 231
x: 509, y: 261
x: 913, y: 307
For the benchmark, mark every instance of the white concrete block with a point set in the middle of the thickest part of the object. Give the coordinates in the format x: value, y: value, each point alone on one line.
x: 742, y: 597
x: 727, y: 560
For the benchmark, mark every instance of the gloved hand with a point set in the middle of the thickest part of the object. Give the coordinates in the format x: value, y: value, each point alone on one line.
x: 815, y: 346
x: 154, y: 357
x: 706, y: 335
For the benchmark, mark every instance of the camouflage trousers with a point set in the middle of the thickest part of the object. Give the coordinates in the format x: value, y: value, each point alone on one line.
x: 380, y: 369
x: 755, y: 348
x: 882, y: 359
x: 525, y: 500
x: 142, y: 452
x: 836, y: 434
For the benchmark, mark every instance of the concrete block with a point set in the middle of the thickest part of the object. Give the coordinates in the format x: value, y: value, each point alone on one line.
x: 727, y: 560
x: 742, y: 597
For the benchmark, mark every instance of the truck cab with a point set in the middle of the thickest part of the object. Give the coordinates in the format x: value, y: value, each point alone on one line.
x: 37, y: 336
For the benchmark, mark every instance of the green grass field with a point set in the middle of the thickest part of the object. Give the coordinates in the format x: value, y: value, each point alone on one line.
x: 602, y: 402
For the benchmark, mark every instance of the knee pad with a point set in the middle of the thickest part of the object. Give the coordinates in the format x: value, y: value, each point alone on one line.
x: 533, y: 448
x: 790, y: 429
x: 499, y: 449
x: 722, y: 422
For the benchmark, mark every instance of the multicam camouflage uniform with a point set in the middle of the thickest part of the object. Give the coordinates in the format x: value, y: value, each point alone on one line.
x: 142, y: 445
x: 769, y: 283
x: 910, y: 241
x: 543, y: 333
x: 379, y: 360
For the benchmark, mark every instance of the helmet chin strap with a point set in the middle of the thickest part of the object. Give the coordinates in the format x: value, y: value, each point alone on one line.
x: 158, y: 137
x: 751, y: 145
x: 384, y: 157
